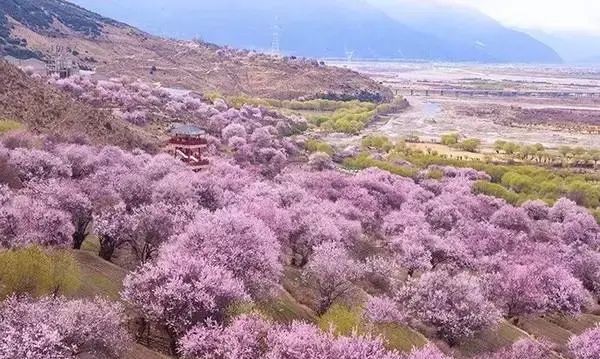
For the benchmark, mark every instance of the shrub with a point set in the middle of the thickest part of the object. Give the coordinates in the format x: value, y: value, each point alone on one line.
x: 518, y: 183
x: 450, y: 139
x: 499, y: 146
x: 380, y: 142
x: 596, y: 214
x: 509, y: 148
x: 309, y: 105
x: 496, y: 190
x: 347, y: 120
x: 36, y: 272
x: 470, y: 145
x: 436, y: 174
x: 363, y: 161
x: 318, y: 146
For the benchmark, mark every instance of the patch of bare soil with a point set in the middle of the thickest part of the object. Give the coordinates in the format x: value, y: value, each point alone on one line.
x: 567, y: 119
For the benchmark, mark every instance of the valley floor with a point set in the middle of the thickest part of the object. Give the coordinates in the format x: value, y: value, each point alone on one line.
x: 572, y: 120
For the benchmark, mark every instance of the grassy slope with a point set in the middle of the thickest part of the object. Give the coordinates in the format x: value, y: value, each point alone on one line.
x: 558, y: 330
x: 555, y: 330
x: 105, y: 279
x: 98, y: 277
x: 576, y: 325
x: 491, y: 340
x: 284, y: 308
x: 102, y: 278
x: 401, y: 338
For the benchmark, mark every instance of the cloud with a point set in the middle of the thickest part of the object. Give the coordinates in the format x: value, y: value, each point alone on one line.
x: 553, y: 15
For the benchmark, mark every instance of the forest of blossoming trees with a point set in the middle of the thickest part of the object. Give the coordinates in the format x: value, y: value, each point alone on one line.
x: 427, y: 254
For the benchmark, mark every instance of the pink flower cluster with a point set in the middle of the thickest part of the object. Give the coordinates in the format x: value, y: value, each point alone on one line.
x: 250, y: 337
x: 438, y: 255
x: 61, y: 328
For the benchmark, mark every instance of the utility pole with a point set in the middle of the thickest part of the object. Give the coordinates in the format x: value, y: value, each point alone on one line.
x: 349, y: 55
x: 275, y: 43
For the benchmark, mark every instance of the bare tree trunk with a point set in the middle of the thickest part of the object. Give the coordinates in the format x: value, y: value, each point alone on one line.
x: 78, y: 238
x: 172, y: 341
x: 324, y: 305
x: 107, y: 249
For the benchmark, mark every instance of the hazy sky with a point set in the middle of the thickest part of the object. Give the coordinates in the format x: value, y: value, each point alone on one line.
x: 569, y: 15
x: 551, y: 15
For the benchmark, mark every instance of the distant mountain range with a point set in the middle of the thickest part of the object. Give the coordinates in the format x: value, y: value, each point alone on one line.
x: 383, y: 29
x: 573, y: 47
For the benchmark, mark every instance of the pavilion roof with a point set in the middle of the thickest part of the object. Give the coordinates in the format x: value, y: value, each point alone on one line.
x: 187, y: 130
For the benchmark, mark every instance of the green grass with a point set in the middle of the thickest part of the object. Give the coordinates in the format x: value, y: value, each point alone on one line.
x: 9, y: 125
x: 283, y: 308
x: 496, y: 190
x: 353, y: 119
x: 544, y: 329
x: 346, y: 120
x: 38, y: 272
x: 345, y: 320
x: 527, y: 181
x: 401, y: 338
x: 491, y: 340
x: 342, y: 320
x: 575, y: 325
x: 380, y: 142
x: 98, y: 277
x: 91, y: 244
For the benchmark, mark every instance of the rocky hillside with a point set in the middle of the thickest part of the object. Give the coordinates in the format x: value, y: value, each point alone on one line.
x: 34, y: 28
x: 44, y: 109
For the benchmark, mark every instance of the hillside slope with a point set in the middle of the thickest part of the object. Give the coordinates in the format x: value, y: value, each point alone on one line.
x: 408, y: 29
x: 36, y: 27
x: 574, y: 47
x: 469, y: 33
x: 43, y: 109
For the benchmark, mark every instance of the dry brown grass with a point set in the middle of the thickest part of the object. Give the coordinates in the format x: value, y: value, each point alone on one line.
x: 44, y: 109
x: 202, y: 67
